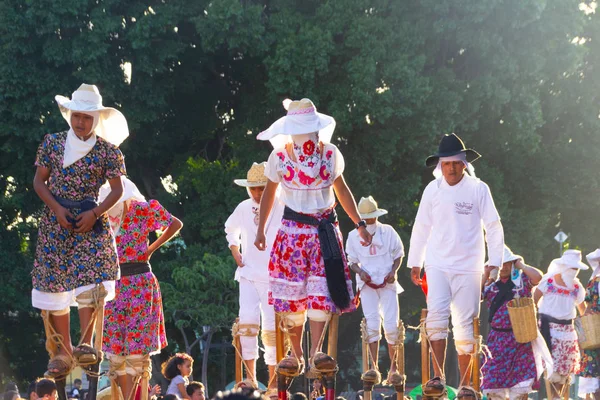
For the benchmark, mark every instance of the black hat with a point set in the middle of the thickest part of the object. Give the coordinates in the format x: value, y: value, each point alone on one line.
x: 451, y: 145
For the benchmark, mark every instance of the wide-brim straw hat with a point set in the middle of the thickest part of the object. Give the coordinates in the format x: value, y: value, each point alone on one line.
x: 302, y: 117
x: 451, y: 145
x: 367, y: 208
x: 255, y: 176
x: 112, y: 125
x: 509, y: 256
x: 570, y: 259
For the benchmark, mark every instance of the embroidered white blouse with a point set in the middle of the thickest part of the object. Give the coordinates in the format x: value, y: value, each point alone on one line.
x: 378, y: 258
x: 303, y: 193
x: 559, y: 301
x: 241, y: 228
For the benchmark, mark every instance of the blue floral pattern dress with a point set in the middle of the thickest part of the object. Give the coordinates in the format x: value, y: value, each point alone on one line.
x: 65, y: 260
x: 511, y: 362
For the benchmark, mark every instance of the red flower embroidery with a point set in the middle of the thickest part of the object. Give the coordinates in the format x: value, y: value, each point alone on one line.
x: 308, y: 147
x: 323, y: 173
x: 301, y: 158
x: 290, y: 174
x: 281, y: 156
x: 305, y: 179
x: 310, y: 163
x: 328, y: 154
x: 550, y: 280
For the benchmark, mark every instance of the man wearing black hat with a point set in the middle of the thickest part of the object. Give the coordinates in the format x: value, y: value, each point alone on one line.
x: 448, y: 239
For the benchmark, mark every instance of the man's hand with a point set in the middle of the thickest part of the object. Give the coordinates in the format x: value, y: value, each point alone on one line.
x: 490, y: 274
x: 391, y: 277
x: 415, y: 276
x: 64, y: 217
x: 364, y: 276
x: 235, y: 252
x: 260, y: 241
x: 85, y: 221
x: 155, y: 390
x: 365, y: 236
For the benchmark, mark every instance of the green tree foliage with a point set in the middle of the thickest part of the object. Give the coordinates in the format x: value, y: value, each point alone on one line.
x: 515, y: 78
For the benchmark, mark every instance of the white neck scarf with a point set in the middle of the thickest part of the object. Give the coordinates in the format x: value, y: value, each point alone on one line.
x: 437, y: 172
x: 75, y: 148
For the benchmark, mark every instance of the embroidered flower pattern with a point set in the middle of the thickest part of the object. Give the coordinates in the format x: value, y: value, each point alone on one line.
x: 301, y: 178
x: 290, y: 173
x: 305, y: 179
x: 309, y: 147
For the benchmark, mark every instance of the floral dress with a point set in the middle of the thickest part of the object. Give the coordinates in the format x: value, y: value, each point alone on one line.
x: 134, y: 322
x: 65, y: 260
x: 590, y: 359
x: 511, y: 362
x: 296, y: 268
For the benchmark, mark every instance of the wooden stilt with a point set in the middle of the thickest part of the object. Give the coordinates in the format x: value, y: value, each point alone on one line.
x: 279, y: 339
x: 475, y: 375
x: 332, y: 341
x: 365, y: 350
x: 425, y: 357
x: 61, y: 389
x: 94, y: 370
x: 239, y: 363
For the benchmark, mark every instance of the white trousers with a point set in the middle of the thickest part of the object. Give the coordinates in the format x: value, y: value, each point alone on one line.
x: 512, y: 393
x: 60, y: 301
x: 588, y: 386
x: 456, y: 295
x: 254, y: 307
x: 378, y: 304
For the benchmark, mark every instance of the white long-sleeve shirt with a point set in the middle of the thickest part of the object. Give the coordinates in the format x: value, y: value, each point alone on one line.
x: 241, y: 227
x: 448, y: 232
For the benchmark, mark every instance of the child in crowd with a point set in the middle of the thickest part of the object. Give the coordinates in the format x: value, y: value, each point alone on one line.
x: 46, y: 389
x: 195, y: 390
x: 76, y: 392
x: 177, y: 369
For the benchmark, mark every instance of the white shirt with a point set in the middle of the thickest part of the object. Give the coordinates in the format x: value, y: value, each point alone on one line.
x: 306, y: 196
x: 173, y: 389
x: 377, y: 260
x: 241, y: 228
x: 448, y: 230
x: 559, y: 301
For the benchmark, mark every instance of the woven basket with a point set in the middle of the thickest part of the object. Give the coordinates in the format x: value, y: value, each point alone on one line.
x: 521, y: 312
x: 588, y: 330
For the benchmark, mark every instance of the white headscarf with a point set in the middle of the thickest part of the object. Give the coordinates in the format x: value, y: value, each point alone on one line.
x: 594, y: 261
x: 75, y: 148
x: 117, y: 212
x: 437, y: 172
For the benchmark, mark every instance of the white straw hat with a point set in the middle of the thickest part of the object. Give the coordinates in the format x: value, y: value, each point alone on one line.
x: 367, y: 208
x: 569, y: 259
x: 112, y: 125
x: 130, y: 191
x: 302, y: 117
x: 509, y: 256
x: 594, y: 260
x: 255, y: 176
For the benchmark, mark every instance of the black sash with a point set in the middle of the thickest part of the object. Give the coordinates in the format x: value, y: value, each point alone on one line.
x: 136, y: 268
x: 505, y: 293
x: 545, y: 327
x: 83, y: 205
x: 331, y: 252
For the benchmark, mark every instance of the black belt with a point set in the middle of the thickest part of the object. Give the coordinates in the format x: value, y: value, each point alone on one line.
x: 331, y: 252
x: 501, y: 329
x: 83, y: 205
x: 136, y: 268
x: 546, y: 320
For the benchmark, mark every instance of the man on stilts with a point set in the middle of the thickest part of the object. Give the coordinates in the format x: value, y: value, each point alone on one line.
x: 76, y: 259
x: 448, y: 239
x: 253, y: 273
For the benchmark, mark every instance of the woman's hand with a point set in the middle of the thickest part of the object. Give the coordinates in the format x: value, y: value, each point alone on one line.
x: 261, y: 241
x: 415, y: 276
x: 64, y: 217
x: 85, y: 221
x: 237, y: 256
x: 365, y: 236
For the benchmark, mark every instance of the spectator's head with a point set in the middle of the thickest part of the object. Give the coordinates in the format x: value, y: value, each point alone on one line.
x: 195, y: 390
x: 11, y: 395
x: 238, y: 394
x: 298, y: 396
x: 31, y: 394
x: 77, y: 383
x: 179, y: 364
x: 11, y: 387
x: 170, y: 397
x: 340, y: 398
x: 46, y: 389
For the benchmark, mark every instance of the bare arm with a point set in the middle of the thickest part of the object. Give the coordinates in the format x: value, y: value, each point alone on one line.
x: 534, y: 274
x: 64, y: 216
x: 581, y: 307
x: 183, y: 392
x: 266, y: 205
x: 393, y: 275
x: 348, y: 203
x: 167, y: 235
x: 537, y: 295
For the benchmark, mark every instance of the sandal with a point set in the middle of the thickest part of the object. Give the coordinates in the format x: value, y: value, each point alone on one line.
x: 434, y: 387
x: 467, y: 392
x: 320, y: 363
x: 290, y: 366
x: 62, y: 363
x: 394, y: 379
x: 85, y: 355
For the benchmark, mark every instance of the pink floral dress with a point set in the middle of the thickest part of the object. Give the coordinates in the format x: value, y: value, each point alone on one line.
x: 134, y: 321
x: 65, y: 260
x: 296, y: 268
